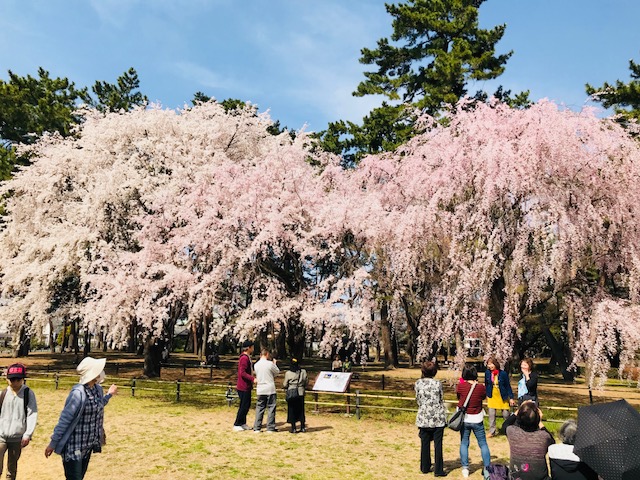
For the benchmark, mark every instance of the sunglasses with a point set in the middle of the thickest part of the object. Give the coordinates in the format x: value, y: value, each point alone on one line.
x: 15, y: 379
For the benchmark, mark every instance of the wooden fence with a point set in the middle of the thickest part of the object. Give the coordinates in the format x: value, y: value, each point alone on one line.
x: 203, y: 392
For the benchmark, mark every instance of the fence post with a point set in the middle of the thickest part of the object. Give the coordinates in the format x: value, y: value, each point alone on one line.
x: 229, y: 394
x: 315, y: 395
x: 211, y: 373
x: 133, y: 387
x: 177, y: 390
x: 358, y: 404
x: 348, y: 401
x: 57, y: 377
x: 383, y: 381
x: 117, y: 369
x: 184, y: 369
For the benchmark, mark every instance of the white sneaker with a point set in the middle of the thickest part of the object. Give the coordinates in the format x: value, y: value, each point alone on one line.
x: 246, y: 427
x: 238, y: 428
x: 465, y: 472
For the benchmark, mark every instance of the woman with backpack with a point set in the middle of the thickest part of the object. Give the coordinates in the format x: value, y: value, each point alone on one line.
x: 295, y: 384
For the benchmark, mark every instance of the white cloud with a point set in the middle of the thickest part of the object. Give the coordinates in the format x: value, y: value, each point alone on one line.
x: 317, y: 50
x: 206, y: 77
x: 113, y: 12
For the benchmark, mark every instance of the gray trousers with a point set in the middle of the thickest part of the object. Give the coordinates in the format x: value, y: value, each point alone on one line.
x: 492, y: 419
x: 265, y: 402
x: 14, y: 452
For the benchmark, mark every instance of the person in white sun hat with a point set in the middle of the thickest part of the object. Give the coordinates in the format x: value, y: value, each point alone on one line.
x: 80, y: 430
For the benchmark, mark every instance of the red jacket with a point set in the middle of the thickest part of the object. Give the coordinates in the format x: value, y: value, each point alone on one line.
x: 245, y: 377
x: 475, y: 402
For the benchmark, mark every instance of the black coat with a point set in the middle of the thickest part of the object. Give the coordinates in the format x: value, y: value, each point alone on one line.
x: 566, y: 466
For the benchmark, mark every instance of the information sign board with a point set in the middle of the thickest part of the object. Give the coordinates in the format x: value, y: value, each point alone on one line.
x: 332, y: 382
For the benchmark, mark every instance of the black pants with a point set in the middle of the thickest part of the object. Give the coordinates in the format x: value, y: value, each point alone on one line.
x: 243, y: 408
x: 295, y: 411
x: 75, y: 470
x: 427, y: 435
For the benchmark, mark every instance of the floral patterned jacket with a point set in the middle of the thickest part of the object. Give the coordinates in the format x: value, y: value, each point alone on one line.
x: 431, y: 410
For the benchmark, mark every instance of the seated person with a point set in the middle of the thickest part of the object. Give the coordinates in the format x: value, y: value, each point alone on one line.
x: 529, y: 441
x: 346, y: 366
x: 336, y: 365
x: 566, y: 465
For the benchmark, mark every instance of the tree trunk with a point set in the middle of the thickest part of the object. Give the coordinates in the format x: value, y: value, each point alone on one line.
x: 132, y: 342
x: 309, y: 352
x: 295, y: 338
x: 412, y: 332
x: 87, y: 343
x: 192, y: 339
x: 65, y: 338
x: 280, y: 344
x: 52, y: 339
x: 73, y: 337
x: 461, y: 355
x: 152, y: 357
x: 559, y: 354
x: 496, y: 300
x: 388, y: 338
x: 104, y: 339
x: 204, y: 341
x: 200, y: 338
x: 21, y: 343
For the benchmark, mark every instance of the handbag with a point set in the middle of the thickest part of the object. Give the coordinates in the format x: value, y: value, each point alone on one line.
x: 293, y: 393
x: 456, y: 421
x: 497, y: 471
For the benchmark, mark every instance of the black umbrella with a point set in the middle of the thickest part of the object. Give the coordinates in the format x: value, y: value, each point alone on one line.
x: 608, y: 439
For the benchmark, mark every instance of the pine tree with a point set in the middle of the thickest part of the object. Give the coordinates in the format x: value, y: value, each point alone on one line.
x: 435, y: 49
x: 624, y: 98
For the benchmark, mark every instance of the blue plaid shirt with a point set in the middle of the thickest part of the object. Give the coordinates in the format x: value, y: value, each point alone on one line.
x: 87, y: 435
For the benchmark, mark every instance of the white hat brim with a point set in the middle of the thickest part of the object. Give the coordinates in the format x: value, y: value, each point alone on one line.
x: 90, y: 369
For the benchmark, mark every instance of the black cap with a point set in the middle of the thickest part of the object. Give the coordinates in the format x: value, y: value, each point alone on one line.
x: 17, y: 370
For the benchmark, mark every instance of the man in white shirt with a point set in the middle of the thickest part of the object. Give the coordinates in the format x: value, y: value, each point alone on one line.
x: 266, y: 370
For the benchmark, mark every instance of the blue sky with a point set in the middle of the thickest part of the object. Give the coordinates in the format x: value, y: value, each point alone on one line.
x: 299, y: 58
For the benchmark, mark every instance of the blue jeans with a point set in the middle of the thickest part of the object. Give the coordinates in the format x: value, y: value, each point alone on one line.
x: 478, y: 431
x: 266, y: 402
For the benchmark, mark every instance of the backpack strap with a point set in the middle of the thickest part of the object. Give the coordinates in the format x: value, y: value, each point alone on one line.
x: 26, y: 402
x: 2, y: 395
